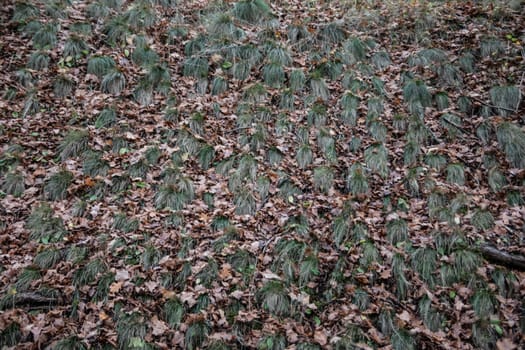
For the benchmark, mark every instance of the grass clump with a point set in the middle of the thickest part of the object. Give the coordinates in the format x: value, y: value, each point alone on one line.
x: 482, y: 220
x: 397, y: 231
x: 14, y: 183
x: 376, y: 158
x: 304, y: 155
x: 24, y: 11
x: 323, y: 178
x: 456, y: 174
x: 72, y: 342
x: 511, y: 140
x: 251, y: 11
x: 100, y: 65
x: 318, y: 86
x: 506, y: 99
x: 88, y: 273
x: 113, y: 82
x: 11, y: 335
x: 57, y: 185
x: 356, y: 181
x: 173, y: 312
x: 39, y: 60
x: 63, y: 86
x: 245, y: 202
x: 93, y: 164
x: 46, y: 36
x: 75, y: 47
x: 131, y: 330
x: 48, y: 258
x: 273, y: 296
x: 196, y: 334
x: 106, y: 118
x: 43, y: 226
x: 272, y: 342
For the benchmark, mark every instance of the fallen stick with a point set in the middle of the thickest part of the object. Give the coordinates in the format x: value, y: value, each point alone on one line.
x: 495, y: 255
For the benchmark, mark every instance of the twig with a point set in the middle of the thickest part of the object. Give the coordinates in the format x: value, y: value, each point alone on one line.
x: 492, y: 106
x: 456, y: 125
x: 237, y: 129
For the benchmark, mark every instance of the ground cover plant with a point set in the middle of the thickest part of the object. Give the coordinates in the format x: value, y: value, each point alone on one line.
x: 260, y: 174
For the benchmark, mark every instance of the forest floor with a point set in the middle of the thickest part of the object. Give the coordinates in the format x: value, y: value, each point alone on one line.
x: 244, y: 175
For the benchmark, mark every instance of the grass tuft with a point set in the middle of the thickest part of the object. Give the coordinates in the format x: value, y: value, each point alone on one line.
x: 424, y: 262
x: 356, y: 181
x: 24, y: 11
x: 456, y: 174
x: 273, y: 297
x: 100, y: 65
x: 113, y: 82
x: 63, y: 86
x: 318, y: 86
x: 397, y: 231
x: 331, y: 34
x: 39, y: 60
x: 72, y: 342
x: 483, y: 303
x: 251, y: 11
x: 14, y: 183
x: 376, y: 158
x: 57, y: 185
x: 482, y: 220
x: 196, y: 334
x: 43, y: 226
x: 11, y: 335
x: 323, y: 178
x: 483, y: 335
x: 93, y: 164
x: 88, y: 273
x: 46, y: 36
x: 402, y: 340
x: 173, y: 312
x: 131, y: 330
x: 75, y: 47
x: 272, y: 342
x: 511, y: 139
x: 432, y: 318
x: 106, y: 118
x: 245, y: 202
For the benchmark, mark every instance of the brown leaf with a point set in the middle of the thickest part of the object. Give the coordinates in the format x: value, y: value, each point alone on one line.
x: 505, y: 344
x: 158, y: 326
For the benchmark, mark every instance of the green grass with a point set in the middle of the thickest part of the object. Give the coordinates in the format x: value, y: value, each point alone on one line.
x: 376, y: 158
x: 506, y: 99
x: 274, y: 298
x: 100, y: 65
x: 72, y: 342
x: 39, y: 60
x: 11, y: 335
x: 251, y: 11
x: 14, y: 183
x: 113, y: 82
x: 511, y: 140
x: 63, y: 86
x: 323, y: 178
x: 57, y: 185
x: 106, y: 118
x: 173, y: 312
x: 254, y: 165
x: 44, y: 227
x: 131, y: 330
x: 196, y: 334
x: 75, y: 47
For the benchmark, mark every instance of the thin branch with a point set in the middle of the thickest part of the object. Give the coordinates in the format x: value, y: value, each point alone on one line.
x: 492, y: 106
x: 497, y: 256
